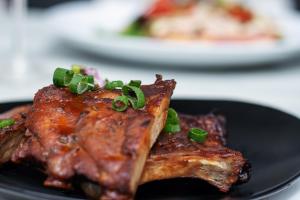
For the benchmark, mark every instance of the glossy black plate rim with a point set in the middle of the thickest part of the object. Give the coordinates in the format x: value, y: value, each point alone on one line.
x: 10, y: 190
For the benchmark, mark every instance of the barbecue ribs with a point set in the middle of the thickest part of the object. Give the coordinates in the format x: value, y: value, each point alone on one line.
x: 12, y: 136
x: 72, y: 135
x: 82, y: 135
x: 177, y: 156
x: 174, y: 155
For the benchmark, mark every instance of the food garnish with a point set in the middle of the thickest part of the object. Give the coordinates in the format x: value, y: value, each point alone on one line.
x: 131, y: 93
x: 114, y: 85
x: 77, y: 82
x: 76, y: 69
x: 62, y: 77
x: 120, y: 103
x: 135, y: 96
x: 6, y: 123
x: 80, y: 84
x: 197, y: 135
x: 172, y: 122
x: 136, y: 83
x: 93, y: 72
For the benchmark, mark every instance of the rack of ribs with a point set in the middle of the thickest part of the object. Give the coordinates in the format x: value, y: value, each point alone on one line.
x: 11, y: 137
x: 176, y: 156
x: 81, y: 135
x: 186, y: 160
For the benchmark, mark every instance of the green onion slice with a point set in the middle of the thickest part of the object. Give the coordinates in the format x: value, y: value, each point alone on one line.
x: 172, y: 116
x: 172, y: 122
x: 197, y: 135
x: 172, y: 128
x: 76, y: 69
x: 79, y: 84
x: 135, y: 96
x: 133, y: 102
x: 120, y: 103
x: 62, y: 77
x: 6, y: 123
x: 113, y: 85
x: 91, y: 82
x: 135, y: 83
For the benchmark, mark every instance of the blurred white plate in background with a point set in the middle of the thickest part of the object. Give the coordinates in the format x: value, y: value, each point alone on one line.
x: 94, y: 27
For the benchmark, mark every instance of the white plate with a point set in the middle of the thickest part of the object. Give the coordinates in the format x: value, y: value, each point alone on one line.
x: 94, y: 27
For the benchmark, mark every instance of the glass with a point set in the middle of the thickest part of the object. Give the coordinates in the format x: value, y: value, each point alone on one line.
x: 16, y: 71
x: 19, y: 62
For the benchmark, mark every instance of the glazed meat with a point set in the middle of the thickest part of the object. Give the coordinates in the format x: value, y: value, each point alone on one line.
x: 11, y: 137
x: 174, y: 155
x: 210, y: 161
x: 82, y: 135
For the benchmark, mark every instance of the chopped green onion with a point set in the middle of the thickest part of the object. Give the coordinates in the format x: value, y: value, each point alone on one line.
x: 120, y: 103
x: 172, y: 128
x: 135, y: 83
x: 79, y: 84
x: 113, y: 85
x: 91, y: 82
x: 62, y: 77
x: 197, y: 135
x: 135, y: 96
x: 172, y: 122
x: 172, y: 116
x: 76, y: 69
x: 6, y: 123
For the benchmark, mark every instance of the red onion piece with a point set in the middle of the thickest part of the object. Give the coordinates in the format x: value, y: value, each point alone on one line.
x: 95, y: 73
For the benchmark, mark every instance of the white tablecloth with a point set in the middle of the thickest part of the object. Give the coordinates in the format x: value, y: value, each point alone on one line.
x: 277, y: 86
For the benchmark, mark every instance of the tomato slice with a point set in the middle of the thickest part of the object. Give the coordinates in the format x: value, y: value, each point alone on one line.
x: 161, y: 7
x: 240, y: 13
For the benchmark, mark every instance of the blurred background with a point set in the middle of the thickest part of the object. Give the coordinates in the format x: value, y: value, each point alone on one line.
x: 252, y: 54
x: 246, y: 50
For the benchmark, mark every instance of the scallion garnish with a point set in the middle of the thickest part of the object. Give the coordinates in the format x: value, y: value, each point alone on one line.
x: 62, y: 77
x: 132, y: 92
x: 135, y: 96
x: 76, y: 69
x: 172, y: 122
x: 120, y: 103
x: 113, y: 85
x: 91, y: 81
x: 77, y: 82
x: 172, y: 128
x: 6, y: 123
x: 135, y: 83
x: 197, y: 135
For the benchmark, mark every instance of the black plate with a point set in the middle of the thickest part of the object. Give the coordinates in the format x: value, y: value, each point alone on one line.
x: 268, y: 138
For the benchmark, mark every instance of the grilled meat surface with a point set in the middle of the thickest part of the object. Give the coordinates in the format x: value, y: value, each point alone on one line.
x: 82, y: 135
x: 175, y: 155
x: 172, y: 156
x: 12, y: 136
